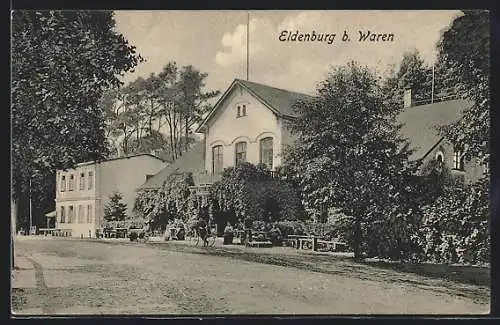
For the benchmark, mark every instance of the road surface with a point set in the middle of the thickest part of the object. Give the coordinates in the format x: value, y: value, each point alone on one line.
x: 65, y: 276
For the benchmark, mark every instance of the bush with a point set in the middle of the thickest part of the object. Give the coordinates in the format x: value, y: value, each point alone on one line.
x: 133, y: 236
x: 290, y: 228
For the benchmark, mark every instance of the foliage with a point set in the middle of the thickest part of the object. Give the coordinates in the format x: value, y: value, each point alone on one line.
x: 252, y: 194
x: 171, y: 201
x: 172, y: 99
x: 456, y: 225
x: 412, y: 74
x: 349, y: 154
x: 133, y: 236
x: 115, y: 209
x: 62, y: 62
x: 464, y: 51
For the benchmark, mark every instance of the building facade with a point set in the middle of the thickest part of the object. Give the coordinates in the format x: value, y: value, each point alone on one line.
x: 83, y: 192
x: 248, y: 124
x: 420, y: 125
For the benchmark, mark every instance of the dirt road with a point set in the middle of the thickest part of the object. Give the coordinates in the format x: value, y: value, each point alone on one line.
x: 85, y: 277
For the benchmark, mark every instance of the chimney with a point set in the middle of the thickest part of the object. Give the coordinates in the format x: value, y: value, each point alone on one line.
x: 407, y: 98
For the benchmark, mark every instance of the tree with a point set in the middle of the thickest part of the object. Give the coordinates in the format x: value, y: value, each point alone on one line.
x: 349, y: 154
x: 62, y: 62
x: 456, y: 224
x: 115, y: 209
x: 173, y: 98
x: 193, y: 101
x: 413, y: 74
x: 464, y: 51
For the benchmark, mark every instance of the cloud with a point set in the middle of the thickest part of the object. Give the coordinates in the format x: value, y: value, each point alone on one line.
x: 302, y: 65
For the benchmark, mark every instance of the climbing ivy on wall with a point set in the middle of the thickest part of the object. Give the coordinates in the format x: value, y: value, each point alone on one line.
x: 250, y: 192
x: 171, y: 201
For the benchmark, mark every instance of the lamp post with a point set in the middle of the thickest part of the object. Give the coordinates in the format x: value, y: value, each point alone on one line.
x: 31, y: 208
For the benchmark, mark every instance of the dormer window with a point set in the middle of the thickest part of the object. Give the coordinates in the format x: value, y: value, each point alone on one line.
x: 244, y: 110
x: 239, y: 111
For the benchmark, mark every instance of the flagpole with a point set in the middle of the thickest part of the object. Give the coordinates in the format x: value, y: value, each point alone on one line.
x: 432, y: 90
x: 248, y: 42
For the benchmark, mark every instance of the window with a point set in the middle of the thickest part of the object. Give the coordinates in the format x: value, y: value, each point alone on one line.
x: 266, y: 152
x: 82, y: 182
x: 63, y: 215
x: 89, y: 214
x: 458, y: 160
x: 239, y: 111
x: 91, y: 180
x: 71, y: 185
x: 71, y: 213
x: 80, y: 214
x: 217, y: 159
x: 244, y: 110
x: 241, y: 152
x: 439, y: 157
x: 63, y: 183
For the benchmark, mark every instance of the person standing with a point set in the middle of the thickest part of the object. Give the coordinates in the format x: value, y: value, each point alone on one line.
x: 228, y: 234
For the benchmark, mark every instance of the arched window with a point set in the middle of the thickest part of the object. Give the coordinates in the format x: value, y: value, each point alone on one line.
x: 240, y: 153
x: 244, y: 110
x: 239, y: 111
x: 266, y: 152
x: 440, y: 157
x: 217, y: 159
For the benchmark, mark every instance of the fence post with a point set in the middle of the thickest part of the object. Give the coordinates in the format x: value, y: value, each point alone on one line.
x: 315, y: 244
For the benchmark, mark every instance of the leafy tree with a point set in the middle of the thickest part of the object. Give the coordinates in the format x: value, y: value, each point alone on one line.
x: 456, y: 225
x: 349, y: 154
x: 173, y: 98
x: 193, y: 101
x: 464, y: 51
x: 115, y: 209
x: 62, y: 62
x: 413, y: 74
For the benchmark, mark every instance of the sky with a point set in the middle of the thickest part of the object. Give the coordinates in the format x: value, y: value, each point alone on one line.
x: 214, y: 42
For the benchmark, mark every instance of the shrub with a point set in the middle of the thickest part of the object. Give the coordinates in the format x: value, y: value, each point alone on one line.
x: 290, y: 228
x: 133, y: 236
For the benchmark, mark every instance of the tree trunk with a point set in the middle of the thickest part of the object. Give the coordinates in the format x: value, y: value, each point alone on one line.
x: 357, y: 239
x: 186, y: 133
x: 13, y: 216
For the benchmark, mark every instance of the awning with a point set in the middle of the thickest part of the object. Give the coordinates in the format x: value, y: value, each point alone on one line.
x: 51, y: 214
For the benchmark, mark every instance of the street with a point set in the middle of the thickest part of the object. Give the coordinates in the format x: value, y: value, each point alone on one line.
x: 69, y: 276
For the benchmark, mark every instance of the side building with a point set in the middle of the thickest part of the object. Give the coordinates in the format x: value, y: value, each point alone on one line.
x: 83, y: 192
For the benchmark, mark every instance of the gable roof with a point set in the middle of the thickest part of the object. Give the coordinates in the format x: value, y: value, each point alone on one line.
x: 278, y: 100
x: 190, y: 161
x: 118, y: 158
x: 420, y: 123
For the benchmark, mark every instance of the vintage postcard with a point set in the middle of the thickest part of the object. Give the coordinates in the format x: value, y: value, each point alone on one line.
x: 250, y: 162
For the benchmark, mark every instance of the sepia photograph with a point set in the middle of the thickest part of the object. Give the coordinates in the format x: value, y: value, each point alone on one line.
x: 250, y: 162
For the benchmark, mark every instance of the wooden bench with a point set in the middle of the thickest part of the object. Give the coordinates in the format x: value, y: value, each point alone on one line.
x: 332, y: 245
